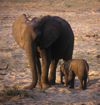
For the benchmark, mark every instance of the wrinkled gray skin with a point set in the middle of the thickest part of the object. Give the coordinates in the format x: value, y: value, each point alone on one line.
x: 50, y: 38
x: 72, y: 68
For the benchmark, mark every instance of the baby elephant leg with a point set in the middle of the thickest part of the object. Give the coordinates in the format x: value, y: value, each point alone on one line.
x: 85, y: 84
x: 71, y: 83
x: 62, y: 78
x: 81, y: 84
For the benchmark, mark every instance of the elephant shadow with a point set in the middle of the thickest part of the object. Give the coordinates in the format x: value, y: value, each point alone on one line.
x: 59, y: 90
x: 93, y: 83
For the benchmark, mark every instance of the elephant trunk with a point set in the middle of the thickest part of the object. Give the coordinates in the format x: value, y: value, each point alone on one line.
x: 30, y: 48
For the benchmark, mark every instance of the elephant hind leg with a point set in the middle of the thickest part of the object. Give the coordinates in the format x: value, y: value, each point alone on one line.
x: 73, y: 82
x: 85, y: 84
x: 81, y: 84
x: 52, y: 72
x: 46, y: 60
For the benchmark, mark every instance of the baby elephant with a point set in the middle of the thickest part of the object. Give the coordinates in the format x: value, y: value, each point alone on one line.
x: 72, y: 68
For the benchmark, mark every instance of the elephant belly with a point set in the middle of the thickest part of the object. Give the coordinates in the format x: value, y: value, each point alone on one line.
x: 63, y: 48
x: 59, y: 51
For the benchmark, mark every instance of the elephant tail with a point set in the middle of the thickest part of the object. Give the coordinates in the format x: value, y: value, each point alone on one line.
x: 87, y: 70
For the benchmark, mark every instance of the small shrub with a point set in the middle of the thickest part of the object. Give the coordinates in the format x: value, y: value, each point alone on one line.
x: 29, y: 16
x: 40, y: 16
x: 88, y: 53
x: 42, y: 90
x: 24, y: 93
x: 96, y: 44
x: 1, y: 78
x: 14, y: 91
x: 66, y: 5
x: 8, y: 91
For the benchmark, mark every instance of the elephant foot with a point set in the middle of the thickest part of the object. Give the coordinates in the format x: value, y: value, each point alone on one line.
x: 80, y: 88
x: 62, y: 83
x: 51, y: 82
x: 45, y: 85
x: 65, y: 85
x: 72, y: 87
x: 39, y: 86
x: 30, y: 87
x: 84, y: 88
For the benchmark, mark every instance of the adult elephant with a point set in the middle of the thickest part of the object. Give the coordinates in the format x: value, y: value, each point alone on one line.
x: 50, y: 38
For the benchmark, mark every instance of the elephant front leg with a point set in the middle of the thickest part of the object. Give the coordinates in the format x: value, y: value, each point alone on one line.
x: 46, y: 60
x: 38, y: 67
x: 72, y: 82
x: 71, y: 79
x: 52, y: 73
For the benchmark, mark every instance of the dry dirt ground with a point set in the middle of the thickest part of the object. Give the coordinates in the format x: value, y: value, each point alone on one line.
x: 84, y: 18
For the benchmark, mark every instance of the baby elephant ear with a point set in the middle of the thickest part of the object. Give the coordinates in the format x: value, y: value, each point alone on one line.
x: 51, y: 29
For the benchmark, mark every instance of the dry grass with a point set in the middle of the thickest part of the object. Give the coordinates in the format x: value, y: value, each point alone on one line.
x: 54, y: 5
x: 14, y: 91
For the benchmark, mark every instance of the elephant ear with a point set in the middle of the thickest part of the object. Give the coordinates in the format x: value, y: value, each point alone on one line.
x: 17, y: 29
x: 51, y: 30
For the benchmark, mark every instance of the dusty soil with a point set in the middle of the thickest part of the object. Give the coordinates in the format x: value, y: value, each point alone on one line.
x: 84, y: 18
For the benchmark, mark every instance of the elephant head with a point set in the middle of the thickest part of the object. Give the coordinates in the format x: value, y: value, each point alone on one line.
x: 67, y: 69
x: 41, y: 32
